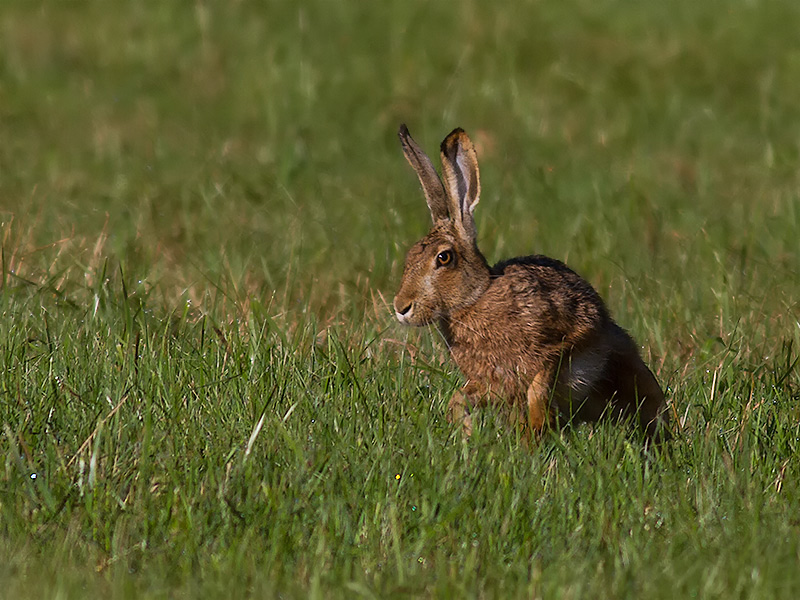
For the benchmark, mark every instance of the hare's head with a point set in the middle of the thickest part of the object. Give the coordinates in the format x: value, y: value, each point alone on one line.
x: 444, y: 271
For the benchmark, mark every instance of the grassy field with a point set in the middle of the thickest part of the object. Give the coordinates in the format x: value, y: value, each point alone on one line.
x: 204, y: 211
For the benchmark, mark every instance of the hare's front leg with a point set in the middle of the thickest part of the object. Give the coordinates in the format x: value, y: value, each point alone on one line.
x: 540, y: 413
x: 458, y: 407
x: 458, y: 412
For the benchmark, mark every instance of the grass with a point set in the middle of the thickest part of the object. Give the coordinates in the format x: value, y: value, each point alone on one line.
x: 203, y: 215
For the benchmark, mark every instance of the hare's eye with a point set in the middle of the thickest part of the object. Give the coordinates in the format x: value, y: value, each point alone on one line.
x: 444, y: 258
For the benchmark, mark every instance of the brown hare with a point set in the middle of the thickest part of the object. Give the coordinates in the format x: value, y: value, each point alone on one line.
x: 529, y: 334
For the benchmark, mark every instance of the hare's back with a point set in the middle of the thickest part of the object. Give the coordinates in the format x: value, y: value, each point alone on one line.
x: 549, y: 291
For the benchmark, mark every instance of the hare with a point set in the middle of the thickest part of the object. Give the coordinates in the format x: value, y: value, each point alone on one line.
x: 529, y: 334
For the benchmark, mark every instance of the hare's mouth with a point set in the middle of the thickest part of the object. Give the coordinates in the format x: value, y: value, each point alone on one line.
x: 414, y: 313
x: 413, y: 318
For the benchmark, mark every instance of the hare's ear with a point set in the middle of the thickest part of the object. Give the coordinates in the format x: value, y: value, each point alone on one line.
x: 431, y: 184
x: 461, y: 179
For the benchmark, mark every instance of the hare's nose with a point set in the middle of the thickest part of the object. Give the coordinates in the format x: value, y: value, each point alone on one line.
x: 402, y: 310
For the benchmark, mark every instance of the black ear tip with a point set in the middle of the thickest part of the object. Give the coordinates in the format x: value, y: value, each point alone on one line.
x: 451, y: 142
x: 403, y: 131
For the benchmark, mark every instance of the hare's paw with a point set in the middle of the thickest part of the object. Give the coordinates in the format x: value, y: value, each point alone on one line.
x: 458, y: 412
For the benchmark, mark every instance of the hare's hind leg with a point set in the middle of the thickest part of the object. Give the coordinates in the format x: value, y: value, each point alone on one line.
x: 638, y: 394
x: 652, y: 406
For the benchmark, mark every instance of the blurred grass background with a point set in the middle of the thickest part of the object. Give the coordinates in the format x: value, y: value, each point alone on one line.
x: 228, y: 173
x: 256, y: 141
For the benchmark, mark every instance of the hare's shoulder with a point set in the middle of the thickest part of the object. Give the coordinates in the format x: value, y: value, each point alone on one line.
x: 544, y: 276
x: 550, y: 290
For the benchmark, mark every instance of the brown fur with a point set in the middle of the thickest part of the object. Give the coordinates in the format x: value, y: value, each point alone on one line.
x: 529, y: 333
